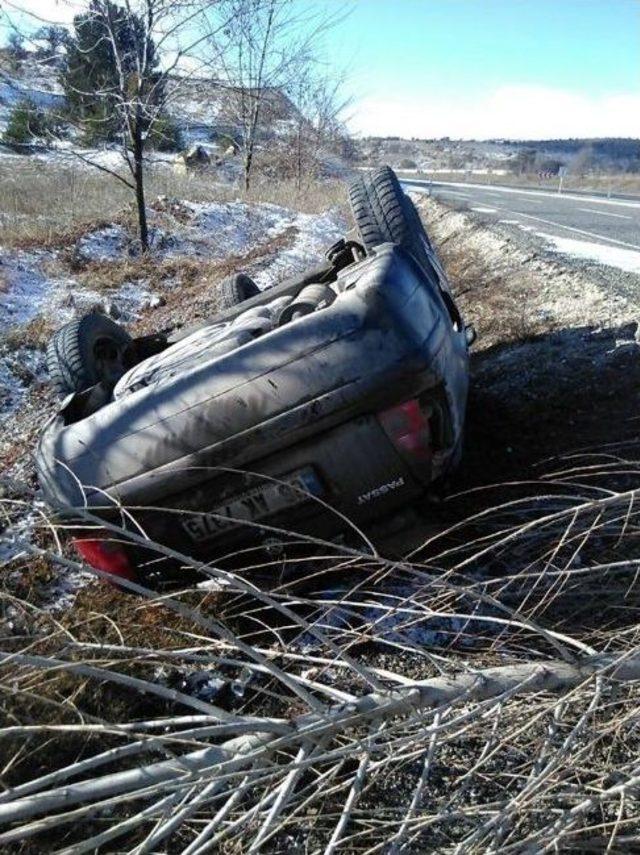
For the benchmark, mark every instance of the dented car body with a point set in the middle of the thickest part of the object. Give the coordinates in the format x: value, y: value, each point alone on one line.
x: 337, y: 417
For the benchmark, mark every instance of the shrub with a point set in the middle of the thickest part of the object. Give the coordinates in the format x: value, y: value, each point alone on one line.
x: 15, y: 48
x: 407, y: 163
x: 26, y: 122
x: 165, y: 135
x: 225, y: 142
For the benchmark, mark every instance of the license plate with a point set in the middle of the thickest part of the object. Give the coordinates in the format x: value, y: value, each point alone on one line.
x: 292, y: 490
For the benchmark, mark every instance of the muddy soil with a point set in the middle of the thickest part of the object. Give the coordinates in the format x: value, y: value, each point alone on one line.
x: 567, y: 391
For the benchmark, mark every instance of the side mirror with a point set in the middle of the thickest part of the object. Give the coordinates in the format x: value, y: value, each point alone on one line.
x: 470, y: 334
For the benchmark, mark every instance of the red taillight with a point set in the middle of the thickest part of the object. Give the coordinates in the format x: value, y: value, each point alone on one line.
x: 407, y: 426
x: 108, y: 556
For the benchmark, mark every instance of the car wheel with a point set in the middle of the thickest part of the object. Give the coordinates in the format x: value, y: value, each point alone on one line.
x: 383, y: 213
x: 419, y: 229
x: 85, y: 352
x: 235, y: 290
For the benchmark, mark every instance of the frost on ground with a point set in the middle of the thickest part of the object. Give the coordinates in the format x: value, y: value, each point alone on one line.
x: 217, y: 230
x: 624, y: 259
x: 395, y: 613
x: 314, y: 235
x: 19, y: 370
x: 24, y: 287
x: 43, y: 89
x: 212, y: 231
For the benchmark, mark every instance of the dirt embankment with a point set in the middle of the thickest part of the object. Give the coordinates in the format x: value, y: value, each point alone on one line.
x: 556, y: 367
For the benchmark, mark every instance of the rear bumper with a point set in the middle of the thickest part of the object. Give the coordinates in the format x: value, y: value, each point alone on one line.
x: 357, y: 476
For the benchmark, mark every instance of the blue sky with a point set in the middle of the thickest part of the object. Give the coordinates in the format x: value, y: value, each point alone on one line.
x: 493, y: 67
x: 476, y: 68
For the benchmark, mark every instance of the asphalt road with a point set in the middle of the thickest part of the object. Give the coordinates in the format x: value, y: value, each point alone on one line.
x: 608, y: 222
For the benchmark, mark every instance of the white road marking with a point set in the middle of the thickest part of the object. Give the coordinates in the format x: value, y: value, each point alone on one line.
x: 481, y: 210
x: 606, y: 214
x: 607, y: 240
x: 592, y: 200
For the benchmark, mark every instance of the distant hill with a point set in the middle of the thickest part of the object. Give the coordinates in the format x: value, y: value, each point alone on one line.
x: 202, y: 108
x: 613, y: 147
x: 31, y: 80
x: 205, y: 108
x: 501, y: 156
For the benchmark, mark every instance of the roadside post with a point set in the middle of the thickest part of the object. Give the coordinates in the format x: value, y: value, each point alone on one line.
x: 561, y: 172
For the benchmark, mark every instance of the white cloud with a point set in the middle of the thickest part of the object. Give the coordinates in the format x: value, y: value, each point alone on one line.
x: 520, y: 112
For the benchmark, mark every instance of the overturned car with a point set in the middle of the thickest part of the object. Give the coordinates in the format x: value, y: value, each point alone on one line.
x: 331, y: 399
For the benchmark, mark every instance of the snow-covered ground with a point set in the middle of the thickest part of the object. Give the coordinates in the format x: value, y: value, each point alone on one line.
x: 213, y: 231
x: 600, y: 253
x: 34, y: 283
x: 41, y: 88
x: 68, y: 154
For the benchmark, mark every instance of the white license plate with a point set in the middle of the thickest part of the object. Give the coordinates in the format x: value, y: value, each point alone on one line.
x: 290, y: 491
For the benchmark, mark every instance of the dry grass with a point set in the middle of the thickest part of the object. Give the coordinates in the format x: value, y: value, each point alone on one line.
x: 44, y: 204
x: 352, y: 732
x: 40, y: 204
x: 496, y: 295
x: 499, y: 302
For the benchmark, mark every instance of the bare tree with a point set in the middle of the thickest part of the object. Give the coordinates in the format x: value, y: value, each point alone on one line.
x: 317, y: 121
x: 581, y: 161
x: 266, y: 45
x: 134, y: 93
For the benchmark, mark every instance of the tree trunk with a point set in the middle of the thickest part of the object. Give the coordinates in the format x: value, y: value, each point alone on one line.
x: 138, y: 176
x: 248, y: 160
x: 299, y: 159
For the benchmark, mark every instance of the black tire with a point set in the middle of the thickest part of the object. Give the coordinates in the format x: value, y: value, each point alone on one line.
x: 236, y: 289
x: 383, y: 213
x: 417, y: 224
x: 85, y: 352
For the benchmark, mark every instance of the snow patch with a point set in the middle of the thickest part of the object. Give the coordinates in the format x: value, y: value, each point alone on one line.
x: 106, y: 244
x: 19, y: 370
x: 45, y: 93
x: 315, y: 234
x: 219, y: 229
x: 23, y: 287
x: 61, y: 594
x: 209, y: 230
x: 396, y: 616
x: 599, y: 253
